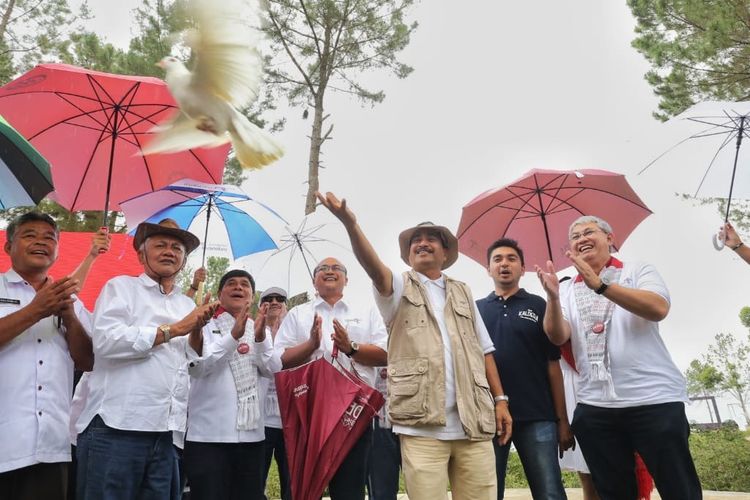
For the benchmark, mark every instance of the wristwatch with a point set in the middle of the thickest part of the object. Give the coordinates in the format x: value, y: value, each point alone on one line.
x: 603, y: 287
x: 355, y: 348
x: 502, y: 397
x: 164, y: 329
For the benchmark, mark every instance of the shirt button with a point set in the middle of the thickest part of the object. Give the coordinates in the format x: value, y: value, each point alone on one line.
x: 39, y: 340
x: 41, y: 362
x: 40, y: 387
x: 40, y: 413
x: 505, y: 315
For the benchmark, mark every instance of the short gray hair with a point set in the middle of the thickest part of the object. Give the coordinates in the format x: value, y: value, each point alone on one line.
x: 588, y: 219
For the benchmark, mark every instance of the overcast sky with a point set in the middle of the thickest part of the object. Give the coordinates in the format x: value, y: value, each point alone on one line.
x: 499, y: 88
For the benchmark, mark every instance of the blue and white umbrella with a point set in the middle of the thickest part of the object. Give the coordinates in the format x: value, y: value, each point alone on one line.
x: 186, y: 201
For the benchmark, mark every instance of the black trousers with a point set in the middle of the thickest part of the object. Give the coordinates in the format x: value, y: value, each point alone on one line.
x: 659, y: 433
x: 47, y: 481
x: 274, y: 447
x: 224, y: 471
x: 349, y: 481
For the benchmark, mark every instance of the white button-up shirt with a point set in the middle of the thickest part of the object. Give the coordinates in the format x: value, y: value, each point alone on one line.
x: 212, y: 407
x: 364, y: 326
x: 134, y: 385
x: 36, y: 383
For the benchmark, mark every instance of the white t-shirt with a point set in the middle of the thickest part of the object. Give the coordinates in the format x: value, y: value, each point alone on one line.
x: 453, y: 429
x: 642, y: 369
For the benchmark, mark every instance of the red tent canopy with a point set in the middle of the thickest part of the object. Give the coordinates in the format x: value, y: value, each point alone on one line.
x: 121, y: 259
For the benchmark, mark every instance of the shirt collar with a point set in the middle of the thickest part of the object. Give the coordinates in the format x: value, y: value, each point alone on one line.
x: 319, y: 302
x: 440, y: 282
x: 13, y: 277
x: 521, y: 294
x: 149, y: 282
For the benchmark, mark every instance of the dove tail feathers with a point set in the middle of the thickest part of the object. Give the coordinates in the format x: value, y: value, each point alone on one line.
x: 254, y: 147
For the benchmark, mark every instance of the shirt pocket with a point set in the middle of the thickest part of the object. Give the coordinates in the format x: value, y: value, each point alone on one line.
x: 407, y: 388
x: 485, y: 403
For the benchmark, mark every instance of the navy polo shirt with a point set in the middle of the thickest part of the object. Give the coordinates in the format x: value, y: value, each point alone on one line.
x: 522, y: 352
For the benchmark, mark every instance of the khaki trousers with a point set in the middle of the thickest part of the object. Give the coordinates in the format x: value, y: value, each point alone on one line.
x: 429, y: 464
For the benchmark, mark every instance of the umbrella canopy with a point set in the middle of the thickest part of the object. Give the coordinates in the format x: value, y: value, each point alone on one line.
x: 91, y: 125
x: 24, y: 173
x: 188, y: 200
x: 538, y: 208
x: 720, y: 127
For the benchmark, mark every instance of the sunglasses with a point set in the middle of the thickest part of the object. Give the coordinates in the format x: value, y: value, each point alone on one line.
x: 274, y: 298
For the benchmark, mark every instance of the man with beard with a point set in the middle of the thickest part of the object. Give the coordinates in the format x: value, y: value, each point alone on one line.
x: 138, y: 388
x: 312, y: 330
x: 42, y: 338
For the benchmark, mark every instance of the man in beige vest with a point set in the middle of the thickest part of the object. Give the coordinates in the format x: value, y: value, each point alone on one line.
x: 442, y: 377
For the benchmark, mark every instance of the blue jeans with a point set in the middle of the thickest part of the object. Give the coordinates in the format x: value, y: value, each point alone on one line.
x: 125, y: 465
x: 609, y: 437
x: 384, y: 464
x: 536, y: 443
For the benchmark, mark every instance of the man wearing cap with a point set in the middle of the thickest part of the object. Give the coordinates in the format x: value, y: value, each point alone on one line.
x: 43, y: 335
x: 139, y: 386
x: 224, y: 452
x: 631, y: 396
x: 276, y: 298
x: 442, y: 376
x: 312, y: 330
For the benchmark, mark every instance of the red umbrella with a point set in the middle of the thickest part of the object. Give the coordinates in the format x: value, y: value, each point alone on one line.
x: 321, y: 421
x: 90, y: 127
x: 538, y: 208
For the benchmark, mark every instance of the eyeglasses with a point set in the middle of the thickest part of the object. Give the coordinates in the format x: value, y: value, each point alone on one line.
x: 587, y: 233
x: 274, y: 298
x: 325, y: 268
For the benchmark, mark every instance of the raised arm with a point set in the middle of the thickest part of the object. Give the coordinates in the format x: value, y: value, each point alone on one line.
x: 99, y: 244
x: 379, y: 273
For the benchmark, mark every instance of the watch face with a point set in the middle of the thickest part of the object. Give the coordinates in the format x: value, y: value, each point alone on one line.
x: 355, y: 346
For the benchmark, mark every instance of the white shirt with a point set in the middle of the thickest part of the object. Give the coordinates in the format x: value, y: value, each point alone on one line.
x: 272, y: 414
x: 388, y: 306
x: 642, y: 369
x: 212, y: 406
x: 36, y: 383
x: 134, y: 385
x: 364, y: 326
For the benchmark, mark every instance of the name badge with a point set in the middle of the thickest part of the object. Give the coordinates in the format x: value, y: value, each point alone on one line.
x: 15, y: 302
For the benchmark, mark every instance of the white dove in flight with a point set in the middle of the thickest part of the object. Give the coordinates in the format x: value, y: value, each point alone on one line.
x: 226, y: 76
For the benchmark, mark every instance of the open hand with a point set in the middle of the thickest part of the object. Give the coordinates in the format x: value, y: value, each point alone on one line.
x: 549, y: 280
x: 338, y: 208
x: 54, y: 297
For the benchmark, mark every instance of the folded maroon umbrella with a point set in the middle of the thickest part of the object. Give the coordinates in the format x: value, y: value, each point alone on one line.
x: 314, y: 399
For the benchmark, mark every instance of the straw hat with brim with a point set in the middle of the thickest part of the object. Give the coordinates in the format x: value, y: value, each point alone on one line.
x: 167, y: 227
x: 449, y: 242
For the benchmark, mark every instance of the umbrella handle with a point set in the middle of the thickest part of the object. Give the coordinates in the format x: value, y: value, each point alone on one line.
x: 106, y: 230
x: 334, y: 352
x: 199, y: 293
x: 718, y: 241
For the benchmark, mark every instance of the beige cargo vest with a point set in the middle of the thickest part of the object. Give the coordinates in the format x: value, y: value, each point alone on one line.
x: 416, y: 370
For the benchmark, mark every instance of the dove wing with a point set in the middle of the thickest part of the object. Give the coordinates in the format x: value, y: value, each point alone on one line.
x: 228, y: 63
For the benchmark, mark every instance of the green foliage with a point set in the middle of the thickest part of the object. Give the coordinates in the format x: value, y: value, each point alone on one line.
x: 745, y: 316
x: 323, y: 45
x: 702, y: 378
x: 725, y: 368
x: 698, y: 50
x: 722, y: 458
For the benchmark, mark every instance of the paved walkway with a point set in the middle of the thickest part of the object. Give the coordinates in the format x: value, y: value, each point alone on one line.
x: 577, y: 494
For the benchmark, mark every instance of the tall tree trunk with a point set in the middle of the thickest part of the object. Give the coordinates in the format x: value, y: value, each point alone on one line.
x: 743, y: 405
x: 6, y: 18
x: 316, y: 141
